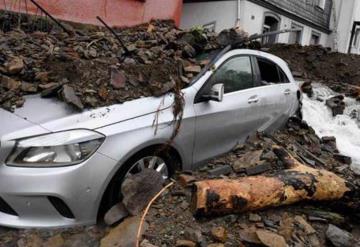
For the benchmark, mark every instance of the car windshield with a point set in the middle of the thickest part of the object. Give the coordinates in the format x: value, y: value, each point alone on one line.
x: 212, y: 57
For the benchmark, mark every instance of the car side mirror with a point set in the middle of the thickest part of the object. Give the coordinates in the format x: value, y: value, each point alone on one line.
x: 216, y: 93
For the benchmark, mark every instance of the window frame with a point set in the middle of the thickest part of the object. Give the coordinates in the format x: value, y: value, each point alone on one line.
x: 206, y: 86
x: 314, y: 33
x: 278, y: 68
x: 295, y: 25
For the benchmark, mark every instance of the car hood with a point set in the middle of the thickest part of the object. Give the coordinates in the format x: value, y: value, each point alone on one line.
x: 54, y: 115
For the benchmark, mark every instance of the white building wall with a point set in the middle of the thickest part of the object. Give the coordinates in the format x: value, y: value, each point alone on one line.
x: 224, y: 13
x: 251, y: 19
x: 344, y: 14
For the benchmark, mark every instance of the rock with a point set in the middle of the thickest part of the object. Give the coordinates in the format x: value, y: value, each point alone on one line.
x: 304, y: 225
x: 230, y: 36
x: 219, y: 234
x: 51, y: 90
x: 249, y: 235
x: 314, y: 241
x: 146, y: 243
x: 339, y: 237
x: 192, y: 69
x: 320, y: 215
x: 14, y: 65
x: 247, y: 160
x: 9, y: 83
x: 336, y: 104
x: 115, y: 214
x: 194, y: 235
x: 118, y: 79
x: 220, y: 170
x: 216, y: 245
x: 306, y: 88
x: 254, y: 217
x: 124, y: 235
x: 269, y: 156
x: 140, y: 188
x: 31, y: 240
x: 28, y: 87
x: 189, y: 51
x: 186, y: 180
x: 326, y: 139
x: 185, y: 79
x: 258, y: 169
x: 343, y: 159
x: 79, y: 240
x: 271, y: 239
x: 55, y: 241
x: 286, y: 228
x: 185, y: 243
x: 70, y: 97
x: 42, y: 77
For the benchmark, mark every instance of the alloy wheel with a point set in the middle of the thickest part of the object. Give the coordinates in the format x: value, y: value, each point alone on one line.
x: 150, y: 162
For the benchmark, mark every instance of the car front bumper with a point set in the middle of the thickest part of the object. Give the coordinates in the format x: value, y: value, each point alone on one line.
x: 53, y: 197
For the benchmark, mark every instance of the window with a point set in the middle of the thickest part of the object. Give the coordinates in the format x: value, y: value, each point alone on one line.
x: 271, y: 23
x: 296, y: 37
x: 236, y: 74
x: 271, y: 73
x: 315, y: 38
x: 357, y: 39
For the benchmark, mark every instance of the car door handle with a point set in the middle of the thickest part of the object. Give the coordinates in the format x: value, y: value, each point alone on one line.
x: 287, y: 92
x: 253, y: 99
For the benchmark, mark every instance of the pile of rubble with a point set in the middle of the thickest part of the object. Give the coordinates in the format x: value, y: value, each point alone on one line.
x: 172, y: 222
x: 315, y: 63
x: 88, y: 68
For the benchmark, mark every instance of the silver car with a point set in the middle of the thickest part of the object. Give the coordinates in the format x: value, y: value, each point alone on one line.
x: 59, y: 168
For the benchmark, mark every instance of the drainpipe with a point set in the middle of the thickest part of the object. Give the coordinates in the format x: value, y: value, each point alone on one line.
x: 237, y: 23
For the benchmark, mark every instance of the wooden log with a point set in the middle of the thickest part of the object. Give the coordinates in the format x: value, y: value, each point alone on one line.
x: 298, y: 182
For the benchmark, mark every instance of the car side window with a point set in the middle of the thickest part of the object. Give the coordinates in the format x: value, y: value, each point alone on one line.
x: 236, y: 74
x: 283, y: 76
x: 270, y: 73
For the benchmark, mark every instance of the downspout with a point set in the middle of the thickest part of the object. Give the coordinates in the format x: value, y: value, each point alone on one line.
x: 237, y: 23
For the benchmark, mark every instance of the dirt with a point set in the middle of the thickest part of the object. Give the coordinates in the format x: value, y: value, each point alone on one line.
x: 336, y: 70
x: 86, y: 60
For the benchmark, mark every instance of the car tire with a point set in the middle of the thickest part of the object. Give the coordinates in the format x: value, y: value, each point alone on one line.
x: 113, y: 195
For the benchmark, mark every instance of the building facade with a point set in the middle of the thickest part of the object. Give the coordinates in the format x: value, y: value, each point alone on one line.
x: 320, y: 22
x: 346, y: 26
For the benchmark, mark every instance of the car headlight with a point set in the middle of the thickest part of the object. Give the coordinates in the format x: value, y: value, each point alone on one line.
x: 56, y: 149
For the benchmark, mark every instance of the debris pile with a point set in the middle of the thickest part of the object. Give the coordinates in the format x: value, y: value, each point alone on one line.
x: 172, y: 222
x: 90, y: 69
x: 315, y: 63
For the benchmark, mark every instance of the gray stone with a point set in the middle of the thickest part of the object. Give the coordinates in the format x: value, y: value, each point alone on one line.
x: 258, y: 169
x: 220, y: 170
x: 194, y: 235
x: 124, y: 235
x: 339, y: 237
x: 118, y: 79
x: 139, y: 189
x: 343, y: 159
x: 70, y: 97
x: 115, y: 214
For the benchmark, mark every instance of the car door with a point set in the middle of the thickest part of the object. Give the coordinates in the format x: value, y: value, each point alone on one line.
x: 275, y: 92
x: 221, y: 125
